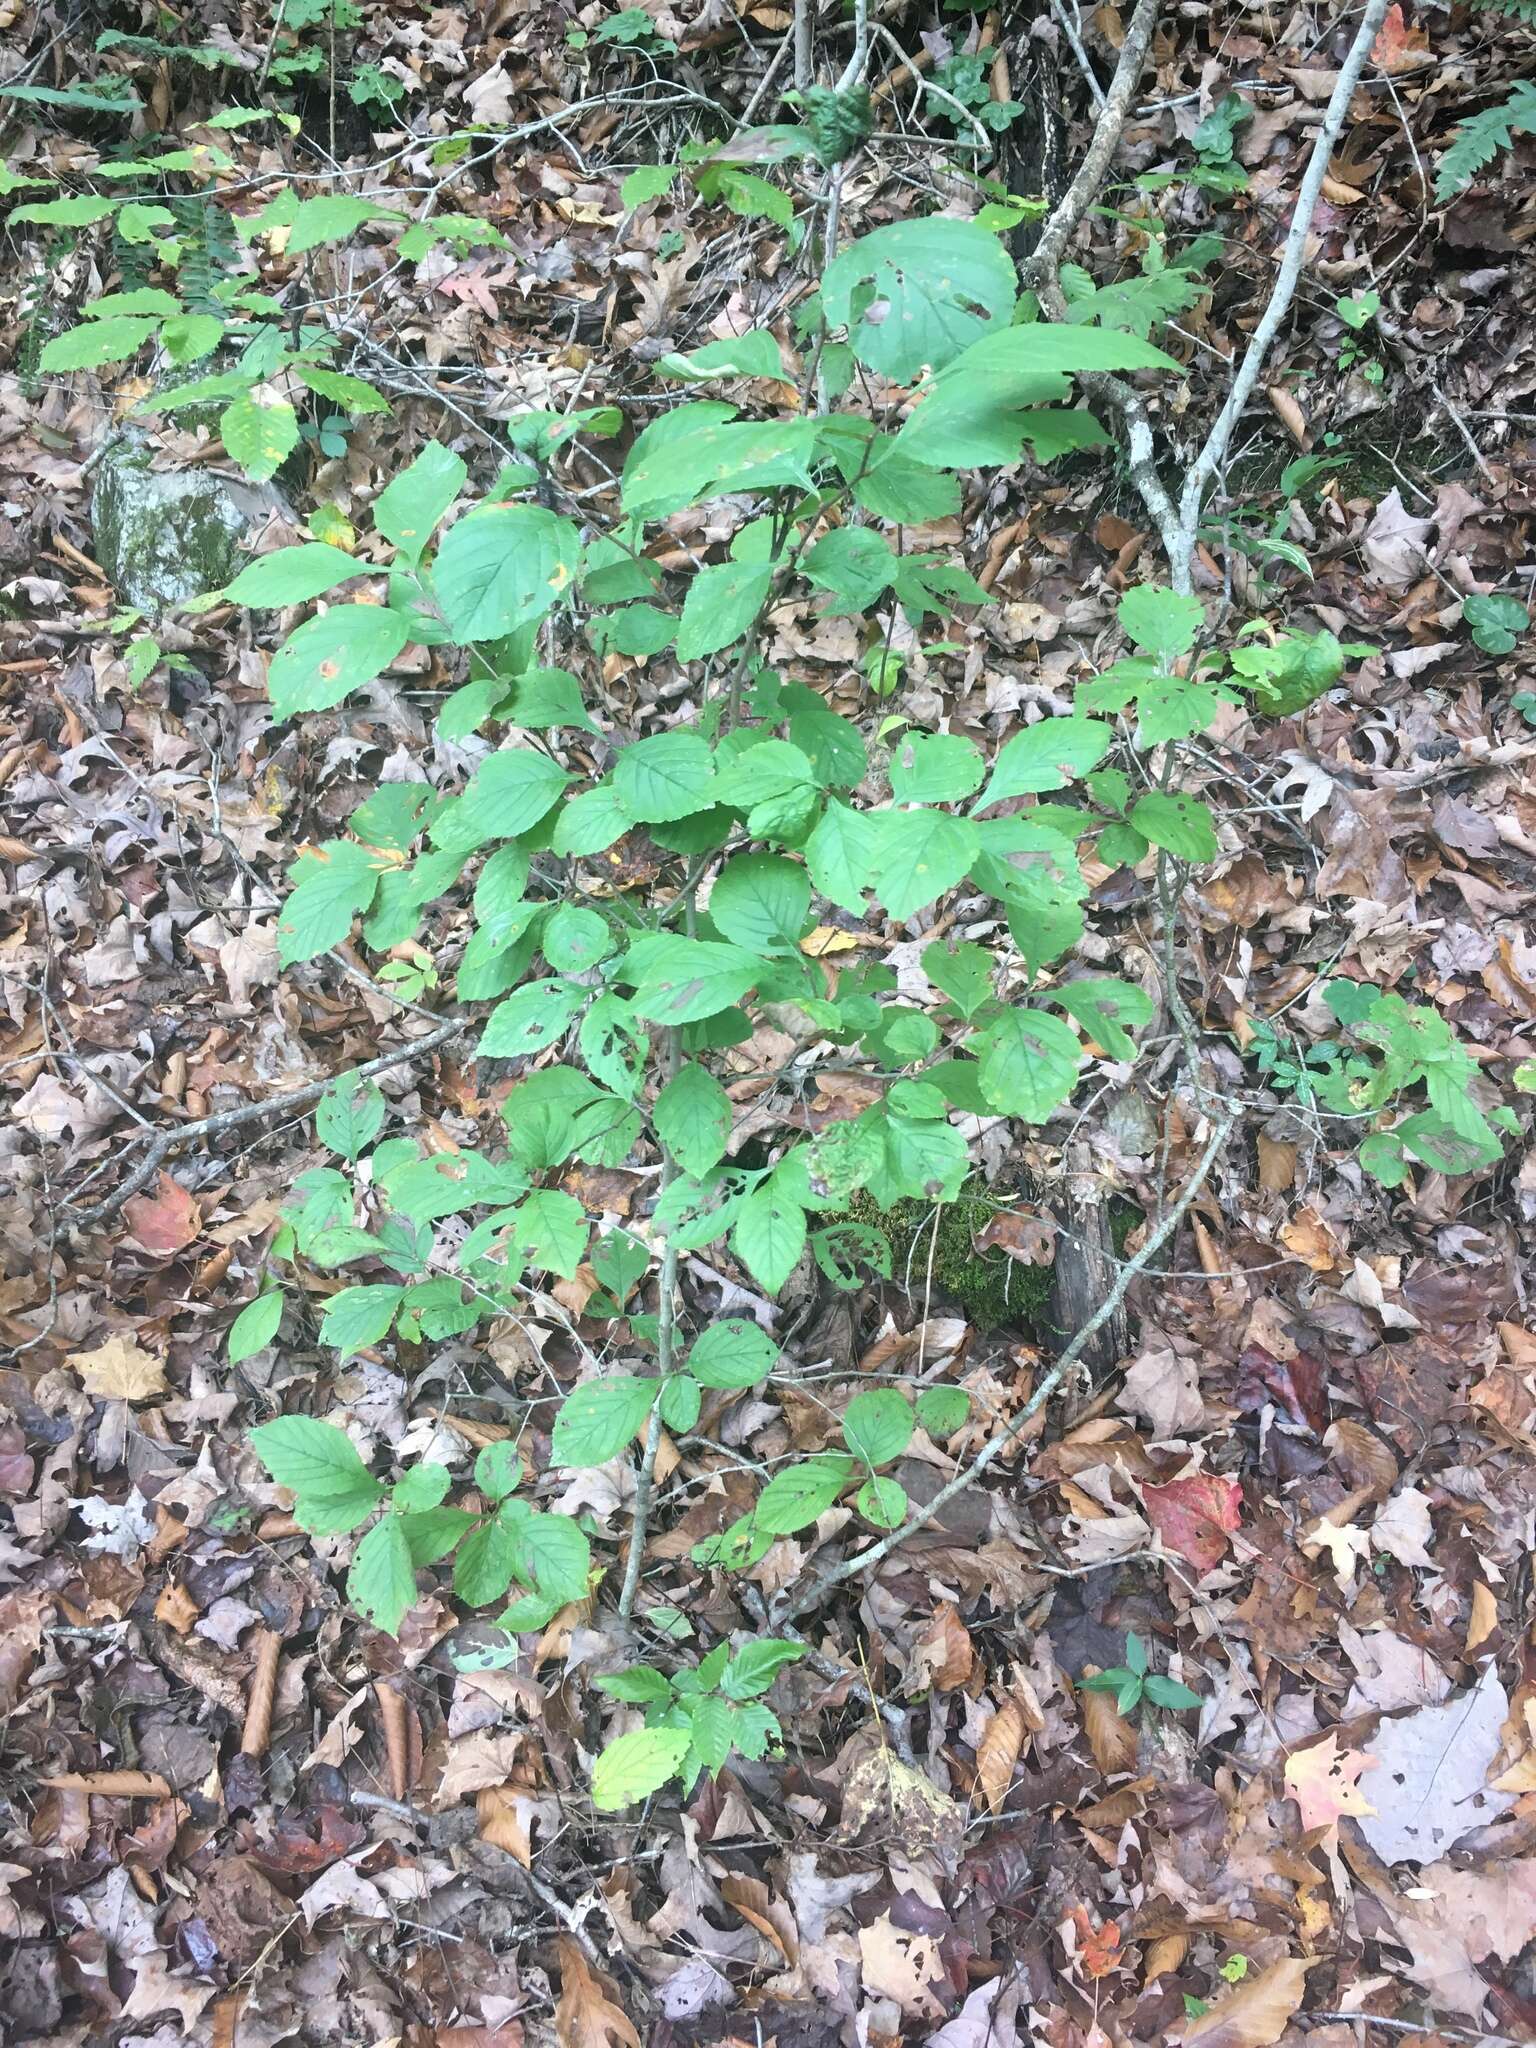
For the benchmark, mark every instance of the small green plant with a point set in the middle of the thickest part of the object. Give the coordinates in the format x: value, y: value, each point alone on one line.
x: 966, y: 78
x: 693, y: 1720
x: 1232, y: 1971
x: 1390, y: 1048
x: 499, y: 1543
x: 1358, y: 310
x: 630, y: 29
x: 1497, y: 622
x: 1216, y: 168
x: 1134, y: 1686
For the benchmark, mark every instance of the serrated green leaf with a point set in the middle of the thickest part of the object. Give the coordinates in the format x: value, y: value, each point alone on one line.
x: 769, y: 1236
x: 535, y: 1016
x: 1180, y: 824
x: 878, y: 1425
x: 511, y: 792
x: 636, y: 1765
x: 255, y: 1326
x: 600, y: 1417
x: 503, y: 566
x: 734, y: 1353
x: 333, y: 1489
x: 360, y: 1316
x: 408, y: 510
x: 382, y: 1582
x: 1029, y: 1063
x: 333, y: 883
x: 693, y: 1115
x: 293, y: 575
x: 936, y: 768
x: 259, y: 436
x: 665, y: 777
x: 921, y: 854
x: 333, y: 655
x: 679, y: 980
x: 793, y: 1499
x: 1108, y: 1011
x: 883, y: 1501
x: 350, y: 1115
x: 1159, y: 621
x: 1045, y: 757
x: 941, y: 1410
x: 96, y: 343
x: 917, y: 293
x: 722, y: 603
x: 760, y: 901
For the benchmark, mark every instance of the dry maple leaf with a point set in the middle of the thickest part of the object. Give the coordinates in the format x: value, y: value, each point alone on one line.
x: 166, y: 1221
x: 1323, y: 1781
x: 1193, y: 1516
x: 586, y: 2016
x: 119, y: 1370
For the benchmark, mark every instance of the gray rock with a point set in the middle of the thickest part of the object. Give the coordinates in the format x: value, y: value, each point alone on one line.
x: 164, y: 536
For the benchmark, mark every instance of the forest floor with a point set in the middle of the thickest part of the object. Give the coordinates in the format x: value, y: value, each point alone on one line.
x: 234, y: 1813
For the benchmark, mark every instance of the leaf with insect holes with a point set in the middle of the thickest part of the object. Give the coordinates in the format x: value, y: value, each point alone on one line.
x: 1180, y: 824
x: 733, y: 1353
x: 382, y: 1582
x: 600, y: 1417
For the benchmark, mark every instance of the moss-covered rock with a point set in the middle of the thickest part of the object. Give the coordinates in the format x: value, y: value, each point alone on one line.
x: 988, y: 1287
x: 164, y: 536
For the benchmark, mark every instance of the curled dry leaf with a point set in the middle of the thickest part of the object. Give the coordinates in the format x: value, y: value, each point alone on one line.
x: 1111, y: 1737
x: 1252, y: 2014
x: 999, y: 1752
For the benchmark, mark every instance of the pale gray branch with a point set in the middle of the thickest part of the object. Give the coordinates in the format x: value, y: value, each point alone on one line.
x: 1213, y: 454
x: 872, y: 1554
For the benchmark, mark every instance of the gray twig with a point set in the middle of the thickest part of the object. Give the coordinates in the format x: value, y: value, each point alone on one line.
x: 253, y: 1112
x: 873, y: 1553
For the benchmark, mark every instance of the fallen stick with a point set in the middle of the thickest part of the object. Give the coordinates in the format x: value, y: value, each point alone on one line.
x: 231, y: 1119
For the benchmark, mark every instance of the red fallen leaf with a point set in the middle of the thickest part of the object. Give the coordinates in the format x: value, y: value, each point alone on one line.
x: 322, y: 1837
x: 1098, y: 1948
x: 1398, y: 47
x: 1194, y: 1515
x: 1297, y: 1386
x: 164, y: 1222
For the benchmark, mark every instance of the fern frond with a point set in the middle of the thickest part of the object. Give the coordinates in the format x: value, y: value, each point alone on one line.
x: 1518, y: 10
x: 1479, y: 140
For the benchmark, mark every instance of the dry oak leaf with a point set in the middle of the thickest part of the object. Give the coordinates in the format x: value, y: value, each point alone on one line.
x: 586, y: 2016
x: 902, y: 1965
x: 120, y: 1370
x: 1323, y: 1781
x: 1254, y: 2013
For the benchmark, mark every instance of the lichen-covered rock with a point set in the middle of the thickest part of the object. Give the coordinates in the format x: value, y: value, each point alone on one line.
x: 164, y: 536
